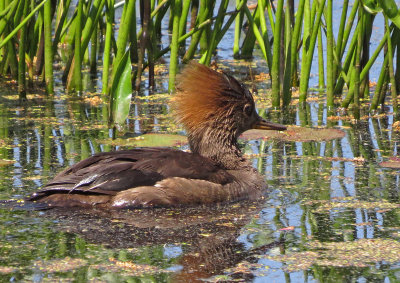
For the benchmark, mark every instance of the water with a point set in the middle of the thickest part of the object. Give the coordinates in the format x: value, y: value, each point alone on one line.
x: 331, y: 213
x: 327, y: 202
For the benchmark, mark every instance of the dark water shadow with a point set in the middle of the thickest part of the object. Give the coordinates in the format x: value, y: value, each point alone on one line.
x: 209, y: 234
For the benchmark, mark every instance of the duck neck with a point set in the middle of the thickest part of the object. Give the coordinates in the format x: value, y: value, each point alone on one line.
x: 220, y: 146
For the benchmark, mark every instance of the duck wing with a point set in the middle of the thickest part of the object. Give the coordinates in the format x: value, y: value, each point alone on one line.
x: 108, y: 173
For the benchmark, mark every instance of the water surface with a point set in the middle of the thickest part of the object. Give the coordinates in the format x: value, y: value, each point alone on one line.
x: 331, y: 212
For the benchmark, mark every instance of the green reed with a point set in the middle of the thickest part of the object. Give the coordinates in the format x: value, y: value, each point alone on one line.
x: 173, y: 66
x: 34, y: 37
x: 390, y: 64
x: 77, y: 75
x: 107, y: 43
x: 21, y: 54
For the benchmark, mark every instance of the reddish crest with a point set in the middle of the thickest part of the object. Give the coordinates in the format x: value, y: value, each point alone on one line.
x: 203, y: 94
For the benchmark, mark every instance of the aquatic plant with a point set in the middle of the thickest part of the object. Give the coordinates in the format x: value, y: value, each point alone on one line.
x: 34, y: 36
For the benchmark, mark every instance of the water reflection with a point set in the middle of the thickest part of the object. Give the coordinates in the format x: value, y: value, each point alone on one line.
x: 320, y: 192
x: 204, y: 237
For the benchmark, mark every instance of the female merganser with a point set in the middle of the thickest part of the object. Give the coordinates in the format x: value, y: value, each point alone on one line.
x: 215, y: 109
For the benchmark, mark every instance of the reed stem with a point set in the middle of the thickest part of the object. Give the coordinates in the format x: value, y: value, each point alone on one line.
x: 379, y: 85
x: 265, y: 46
x: 123, y: 34
x: 107, y: 44
x: 340, y: 38
x: 212, y: 45
x: 21, y: 56
x: 183, y: 19
x: 202, y: 17
x: 295, y: 42
x: 238, y: 30
x: 321, y: 67
x: 390, y: 65
x: 275, y: 71
x: 77, y: 62
x: 329, y: 54
x: 173, y: 63
x: 356, y: 81
x: 259, y: 37
x: 305, y: 74
x: 48, y: 48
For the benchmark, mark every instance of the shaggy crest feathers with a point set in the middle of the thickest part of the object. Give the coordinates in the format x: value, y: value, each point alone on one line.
x: 203, y: 93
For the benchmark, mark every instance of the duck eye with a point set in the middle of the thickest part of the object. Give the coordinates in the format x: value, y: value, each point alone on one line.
x: 248, y: 109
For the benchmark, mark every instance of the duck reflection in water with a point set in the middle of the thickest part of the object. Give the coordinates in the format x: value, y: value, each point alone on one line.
x: 206, y: 236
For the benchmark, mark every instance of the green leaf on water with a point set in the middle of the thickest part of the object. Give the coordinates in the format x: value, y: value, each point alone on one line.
x: 149, y: 140
x: 121, y: 91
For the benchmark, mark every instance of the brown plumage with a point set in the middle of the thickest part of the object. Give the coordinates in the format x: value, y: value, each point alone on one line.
x: 215, y: 109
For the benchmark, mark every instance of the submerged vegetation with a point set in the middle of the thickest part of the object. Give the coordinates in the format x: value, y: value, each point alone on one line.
x: 36, y: 35
x: 332, y: 212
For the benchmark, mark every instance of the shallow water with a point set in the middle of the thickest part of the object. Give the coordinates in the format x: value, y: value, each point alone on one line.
x: 331, y: 213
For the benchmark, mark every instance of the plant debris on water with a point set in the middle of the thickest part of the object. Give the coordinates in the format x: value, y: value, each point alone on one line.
x: 296, y: 133
x: 349, y: 203
x: 60, y: 265
x: 128, y: 267
x: 359, y: 253
x: 393, y: 162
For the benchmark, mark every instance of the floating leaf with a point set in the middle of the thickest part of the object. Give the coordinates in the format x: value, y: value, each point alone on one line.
x: 4, y: 162
x: 295, y: 133
x: 290, y: 228
x: 244, y: 267
x: 128, y: 267
x: 6, y: 269
x: 60, y: 265
x: 396, y: 126
x: 360, y: 253
x: 93, y: 100
x: 350, y: 203
x: 150, y: 140
x: 393, y: 162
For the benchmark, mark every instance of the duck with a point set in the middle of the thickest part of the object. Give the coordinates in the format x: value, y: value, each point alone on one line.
x: 215, y: 109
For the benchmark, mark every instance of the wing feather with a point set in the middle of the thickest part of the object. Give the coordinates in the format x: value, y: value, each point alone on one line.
x: 108, y: 173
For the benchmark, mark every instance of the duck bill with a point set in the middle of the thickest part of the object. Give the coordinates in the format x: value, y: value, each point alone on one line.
x: 265, y: 125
